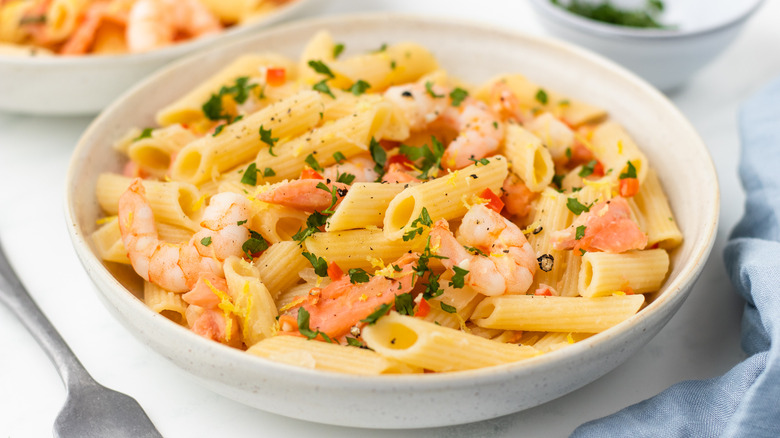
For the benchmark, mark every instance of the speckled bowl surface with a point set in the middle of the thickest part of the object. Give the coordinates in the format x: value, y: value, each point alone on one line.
x: 79, y: 85
x: 474, y: 53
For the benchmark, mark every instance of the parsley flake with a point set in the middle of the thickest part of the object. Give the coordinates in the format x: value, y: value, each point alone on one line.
x: 339, y: 157
x: 146, y: 133
x: 337, y: 49
x: 206, y: 241
x: 429, y: 90
x: 541, y: 96
x: 323, y: 87
x: 312, y: 162
x: 376, y: 314
x: 250, y: 175
x: 447, y: 308
x: 458, y: 95
x: 318, y: 263
x: 379, y: 155
x: 580, y: 232
x: 458, y: 280
x: 576, y: 207
x: 358, y: 275
x: 404, y: 304
x: 321, y: 68
x: 359, y: 87
x: 588, y: 168
x: 629, y: 173
x: 254, y: 245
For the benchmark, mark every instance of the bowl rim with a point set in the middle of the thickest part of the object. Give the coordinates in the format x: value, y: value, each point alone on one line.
x: 675, y: 291
x: 564, y: 17
x: 164, y: 53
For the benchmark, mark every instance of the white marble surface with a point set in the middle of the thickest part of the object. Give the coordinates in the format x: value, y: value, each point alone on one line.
x: 701, y: 341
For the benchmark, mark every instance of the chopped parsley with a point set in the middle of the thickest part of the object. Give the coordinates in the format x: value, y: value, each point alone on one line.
x: 424, y: 219
x: 588, y: 168
x: 432, y: 288
x: 568, y: 153
x: 321, y: 68
x: 268, y: 172
x: 558, y: 180
x: 458, y: 95
x: 404, y: 304
x: 353, y: 342
x: 607, y: 12
x: 346, y: 178
x: 323, y: 87
x: 206, y: 241
x: 303, y: 326
x: 376, y: 314
x: 339, y: 157
x: 267, y: 138
x: 146, y: 133
x: 381, y: 48
x: 447, y: 308
x: 580, y: 232
x: 476, y: 251
x: 482, y: 161
x: 254, y: 245
x: 541, y: 96
x: 318, y: 263
x: 629, y: 173
x: 359, y: 87
x: 429, y: 90
x: 431, y: 156
x: 458, y: 280
x: 358, y: 275
x: 218, y: 130
x: 576, y: 207
x: 250, y: 175
x: 337, y: 49
x: 379, y: 155
x: 239, y: 92
x: 312, y: 162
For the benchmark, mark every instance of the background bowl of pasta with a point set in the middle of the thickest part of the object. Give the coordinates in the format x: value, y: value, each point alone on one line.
x: 38, y: 81
x: 305, y: 382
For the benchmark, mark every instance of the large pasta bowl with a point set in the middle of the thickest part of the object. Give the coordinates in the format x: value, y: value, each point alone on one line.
x: 474, y: 53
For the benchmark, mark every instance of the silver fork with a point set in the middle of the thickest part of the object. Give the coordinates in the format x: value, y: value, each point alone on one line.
x: 90, y: 410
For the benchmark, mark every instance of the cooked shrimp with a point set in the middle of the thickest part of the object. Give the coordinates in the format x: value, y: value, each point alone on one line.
x: 339, y: 306
x: 505, y: 104
x: 608, y: 227
x: 213, y: 324
x: 362, y: 167
x: 505, y: 263
x: 82, y: 38
x: 156, y: 23
x: 417, y: 104
x: 398, y: 173
x: 176, y: 267
x: 479, y: 133
x: 517, y: 197
x: 303, y: 194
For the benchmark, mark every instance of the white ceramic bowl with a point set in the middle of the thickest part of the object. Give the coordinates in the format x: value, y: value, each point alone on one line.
x: 670, y: 143
x: 79, y: 85
x: 666, y: 58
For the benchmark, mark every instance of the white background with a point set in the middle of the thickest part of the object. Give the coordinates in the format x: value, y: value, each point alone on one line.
x: 701, y: 341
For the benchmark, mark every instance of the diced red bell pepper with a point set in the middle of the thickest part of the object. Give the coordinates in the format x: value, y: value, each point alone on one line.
x: 494, y: 201
x: 275, y: 77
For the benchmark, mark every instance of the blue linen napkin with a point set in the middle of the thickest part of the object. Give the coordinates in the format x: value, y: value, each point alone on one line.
x: 745, y: 402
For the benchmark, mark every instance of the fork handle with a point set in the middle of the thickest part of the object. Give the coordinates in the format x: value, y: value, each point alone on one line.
x: 16, y: 297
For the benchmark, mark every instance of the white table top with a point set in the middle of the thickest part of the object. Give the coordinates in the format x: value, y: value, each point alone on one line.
x: 701, y: 341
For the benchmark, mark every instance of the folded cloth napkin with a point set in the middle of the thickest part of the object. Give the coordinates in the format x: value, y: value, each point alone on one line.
x: 745, y: 402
